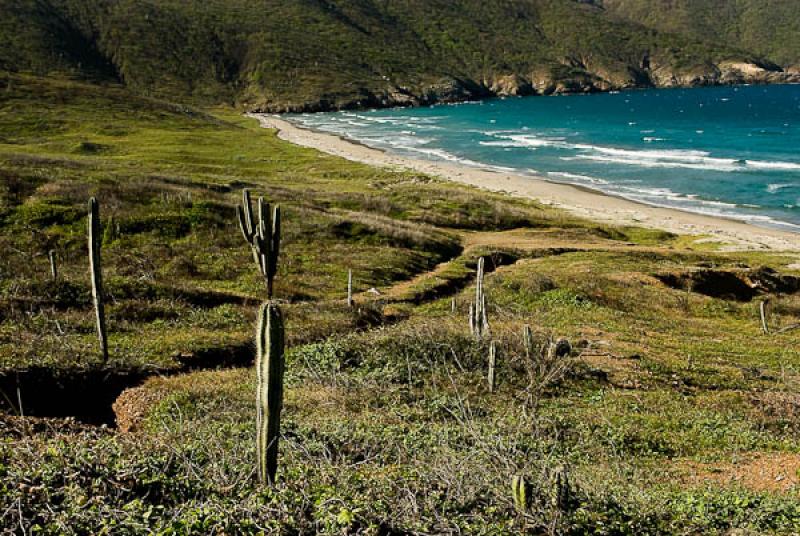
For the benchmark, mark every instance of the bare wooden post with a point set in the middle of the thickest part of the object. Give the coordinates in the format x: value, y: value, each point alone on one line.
x: 492, y: 365
x: 97, y: 275
x: 53, y: 266
x: 453, y: 306
x: 764, y: 312
x: 350, y: 288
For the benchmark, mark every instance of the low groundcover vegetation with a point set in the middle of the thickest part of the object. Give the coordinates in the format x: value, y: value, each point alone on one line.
x: 635, y: 390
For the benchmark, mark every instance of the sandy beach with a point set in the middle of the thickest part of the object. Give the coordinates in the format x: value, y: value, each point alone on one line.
x: 596, y: 206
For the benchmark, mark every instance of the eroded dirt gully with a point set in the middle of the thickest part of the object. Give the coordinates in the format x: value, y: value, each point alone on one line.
x: 89, y: 395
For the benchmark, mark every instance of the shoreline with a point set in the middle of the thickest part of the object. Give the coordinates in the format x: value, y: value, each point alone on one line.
x: 733, y: 235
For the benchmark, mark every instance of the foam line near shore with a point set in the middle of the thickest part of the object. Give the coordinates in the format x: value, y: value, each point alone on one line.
x: 580, y: 201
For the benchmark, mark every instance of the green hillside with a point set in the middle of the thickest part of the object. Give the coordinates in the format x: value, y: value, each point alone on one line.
x: 316, y: 54
x: 768, y: 27
x: 673, y: 414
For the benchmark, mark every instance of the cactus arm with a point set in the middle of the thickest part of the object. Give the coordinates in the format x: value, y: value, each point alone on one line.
x: 246, y: 233
x: 263, y: 235
x: 247, y: 206
x: 264, y: 243
x: 275, y: 244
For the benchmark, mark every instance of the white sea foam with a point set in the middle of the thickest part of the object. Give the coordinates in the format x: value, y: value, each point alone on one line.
x: 774, y: 188
x: 570, y: 177
x: 501, y: 143
x: 785, y: 166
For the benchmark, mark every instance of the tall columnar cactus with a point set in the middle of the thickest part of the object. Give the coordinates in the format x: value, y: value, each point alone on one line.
x: 97, y: 275
x: 478, y: 319
x: 269, y: 395
x: 264, y: 236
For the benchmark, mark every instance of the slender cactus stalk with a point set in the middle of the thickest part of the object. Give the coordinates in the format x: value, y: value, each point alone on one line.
x: 484, y: 318
x: 53, y: 264
x: 479, y: 301
x: 472, y: 319
x: 478, y: 320
x: 527, y: 340
x: 350, y: 288
x: 763, y: 308
x: 97, y: 275
x: 270, y: 366
x: 453, y: 306
x: 492, y: 365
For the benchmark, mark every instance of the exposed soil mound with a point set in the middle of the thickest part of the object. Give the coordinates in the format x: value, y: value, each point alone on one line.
x: 133, y: 404
x: 738, y: 285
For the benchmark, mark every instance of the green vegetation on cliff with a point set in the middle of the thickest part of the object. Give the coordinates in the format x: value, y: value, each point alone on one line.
x: 313, y: 54
x: 767, y: 27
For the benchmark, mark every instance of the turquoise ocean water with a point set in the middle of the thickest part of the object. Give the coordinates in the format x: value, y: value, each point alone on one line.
x: 730, y: 151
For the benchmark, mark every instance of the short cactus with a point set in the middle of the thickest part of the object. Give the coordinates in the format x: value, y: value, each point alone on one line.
x: 561, y: 490
x: 95, y: 267
x: 270, y: 366
x: 521, y: 492
x: 264, y: 236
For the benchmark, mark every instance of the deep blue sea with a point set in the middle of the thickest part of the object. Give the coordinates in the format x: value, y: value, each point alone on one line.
x: 729, y: 151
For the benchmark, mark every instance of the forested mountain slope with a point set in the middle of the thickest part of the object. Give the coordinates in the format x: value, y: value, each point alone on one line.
x: 768, y: 27
x: 320, y: 54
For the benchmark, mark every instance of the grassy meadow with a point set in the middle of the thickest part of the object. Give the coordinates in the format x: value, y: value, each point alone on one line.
x: 673, y: 414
